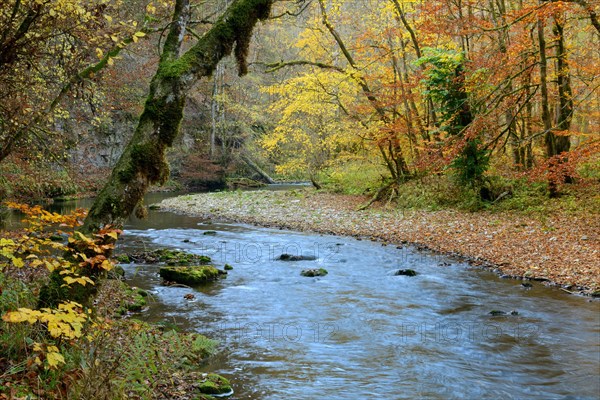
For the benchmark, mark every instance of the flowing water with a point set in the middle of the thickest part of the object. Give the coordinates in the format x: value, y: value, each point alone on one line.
x: 361, y: 331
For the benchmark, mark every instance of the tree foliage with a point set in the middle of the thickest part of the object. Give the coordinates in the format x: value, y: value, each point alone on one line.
x: 427, y: 78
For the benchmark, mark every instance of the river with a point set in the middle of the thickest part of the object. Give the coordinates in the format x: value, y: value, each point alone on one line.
x: 361, y: 331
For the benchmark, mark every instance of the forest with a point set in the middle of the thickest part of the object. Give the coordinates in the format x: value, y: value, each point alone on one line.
x: 485, y: 111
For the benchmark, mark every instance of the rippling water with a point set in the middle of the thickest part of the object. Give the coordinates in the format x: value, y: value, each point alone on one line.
x: 360, y: 331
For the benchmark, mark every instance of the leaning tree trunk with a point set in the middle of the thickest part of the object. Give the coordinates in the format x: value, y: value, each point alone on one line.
x: 143, y: 162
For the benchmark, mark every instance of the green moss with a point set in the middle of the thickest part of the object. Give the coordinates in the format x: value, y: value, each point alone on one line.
x: 168, y: 256
x: 123, y: 259
x: 149, y: 157
x: 134, y: 300
x: 227, y: 267
x: 191, y: 275
x: 215, y: 384
x: 166, y: 112
x: 314, y: 272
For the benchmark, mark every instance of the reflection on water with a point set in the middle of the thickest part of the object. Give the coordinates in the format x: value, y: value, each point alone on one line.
x: 360, y: 331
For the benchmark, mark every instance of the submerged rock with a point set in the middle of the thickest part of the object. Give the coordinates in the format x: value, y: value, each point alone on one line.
x: 314, y: 272
x: 406, y: 272
x: 190, y: 275
x: 290, y: 257
x: 499, y: 312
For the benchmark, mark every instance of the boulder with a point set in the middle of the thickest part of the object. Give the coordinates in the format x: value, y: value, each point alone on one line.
x: 290, y: 257
x: 314, y: 272
x: 189, y: 275
x: 406, y: 272
x: 215, y: 385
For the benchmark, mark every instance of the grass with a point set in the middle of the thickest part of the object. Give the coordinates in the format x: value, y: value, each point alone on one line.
x: 440, y: 192
x: 353, y: 177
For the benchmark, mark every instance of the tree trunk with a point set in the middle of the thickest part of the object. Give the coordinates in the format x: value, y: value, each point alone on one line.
x: 265, y: 177
x: 143, y: 162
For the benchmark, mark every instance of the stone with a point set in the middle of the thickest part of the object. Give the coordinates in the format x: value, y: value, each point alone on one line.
x: 214, y: 384
x: 314, y: 272
x: 189, y: 275
x: 406, y: 272
x: 290, y: 257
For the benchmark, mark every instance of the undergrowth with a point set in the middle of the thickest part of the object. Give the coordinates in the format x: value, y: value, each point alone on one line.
x: 70, y: 351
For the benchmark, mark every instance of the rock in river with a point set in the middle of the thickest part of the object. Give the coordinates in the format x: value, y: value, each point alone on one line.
x: 313, y: 272
x: 406, y: 272
x: 290, y: 257
x: 191, y: 275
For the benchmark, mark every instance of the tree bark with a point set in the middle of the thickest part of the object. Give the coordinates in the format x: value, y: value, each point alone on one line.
x: 143, y: 161
x: 265, y: 177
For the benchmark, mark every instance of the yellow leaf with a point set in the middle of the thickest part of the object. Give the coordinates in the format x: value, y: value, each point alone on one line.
x: 17, y: 262
x: 6, y: 242
x: 106, y: 265
x: 54, y: 359
x: 139, y: 34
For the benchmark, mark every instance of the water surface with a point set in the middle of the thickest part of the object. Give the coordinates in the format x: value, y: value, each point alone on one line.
x: 360, y: 331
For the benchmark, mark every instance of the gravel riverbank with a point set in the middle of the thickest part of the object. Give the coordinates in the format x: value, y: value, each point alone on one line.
x: 559, y: 249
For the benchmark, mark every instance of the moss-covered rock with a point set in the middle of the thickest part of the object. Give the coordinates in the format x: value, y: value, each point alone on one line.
x: 168, y: 256
x: 123, y: 259
x: 227, y: 267
x: 190, y: 275
x: 215, y: 385
x: 134, y: 300
x: 116, y: 273
x: 314, y: 272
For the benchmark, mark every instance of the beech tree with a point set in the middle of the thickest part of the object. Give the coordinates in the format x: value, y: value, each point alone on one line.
x: 143, y: 161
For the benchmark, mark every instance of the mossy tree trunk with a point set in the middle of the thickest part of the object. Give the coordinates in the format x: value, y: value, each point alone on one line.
x: 143, y: 161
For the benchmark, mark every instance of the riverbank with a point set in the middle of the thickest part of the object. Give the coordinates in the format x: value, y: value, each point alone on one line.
x: 559, y: 249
